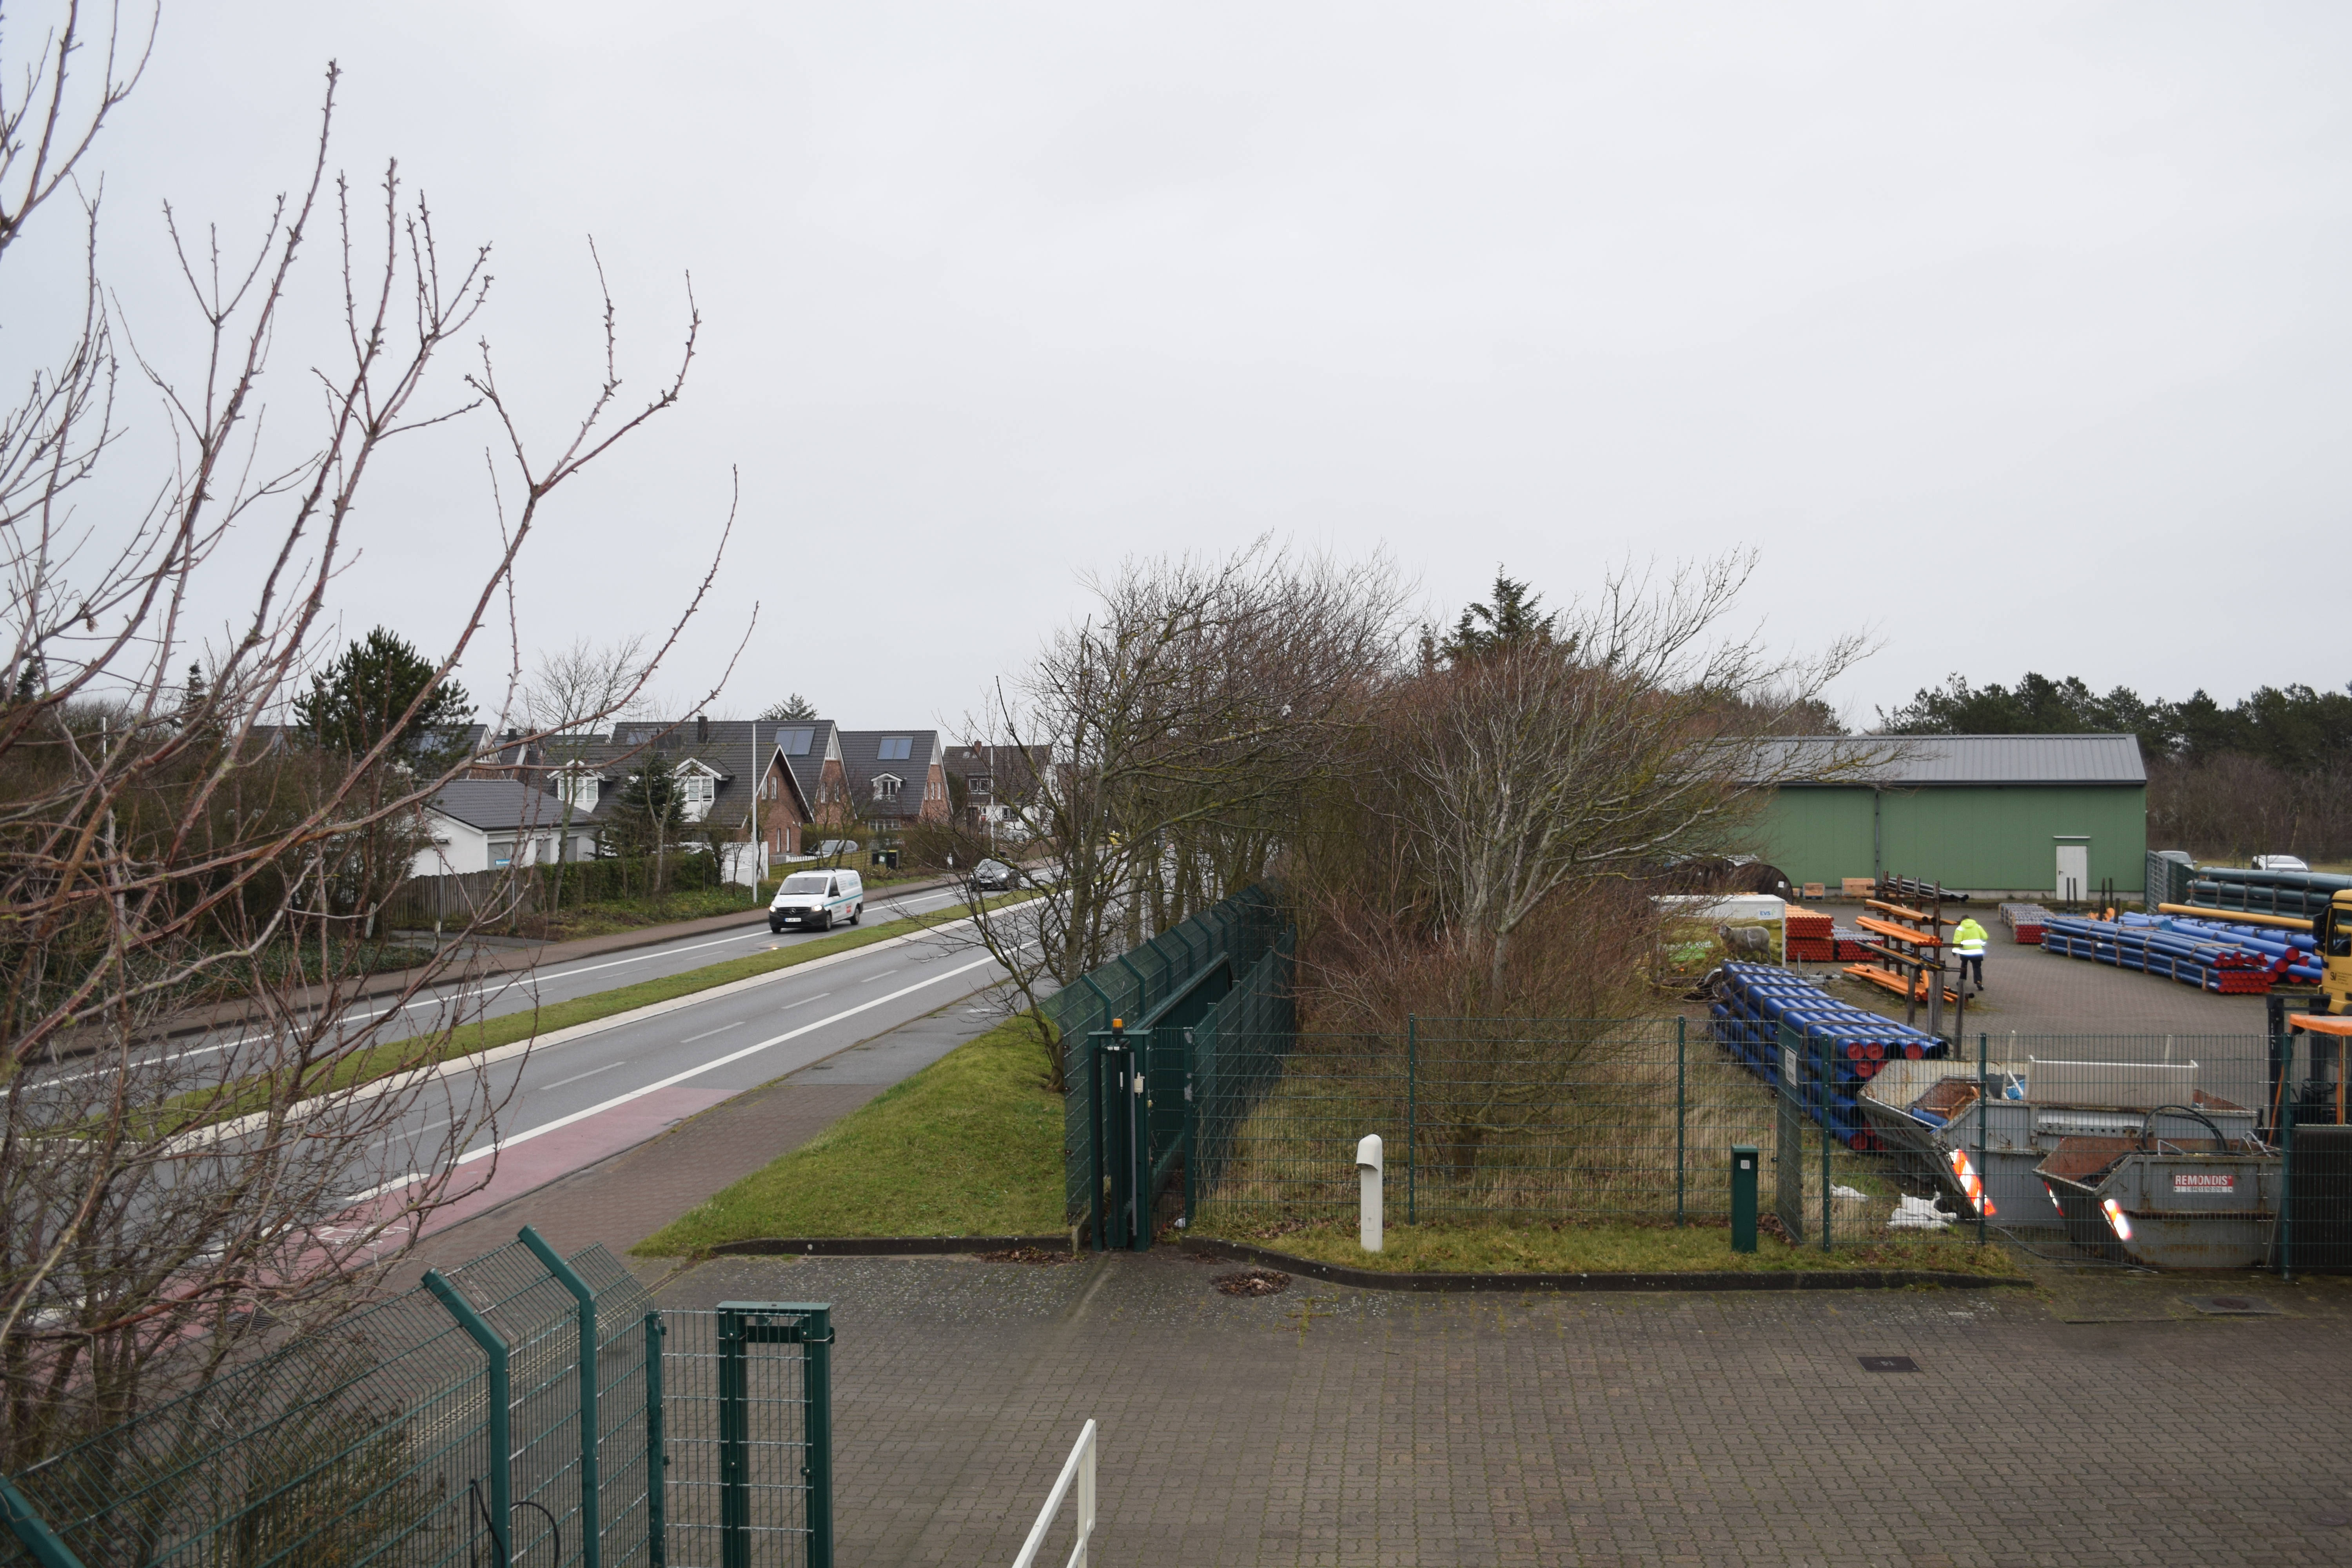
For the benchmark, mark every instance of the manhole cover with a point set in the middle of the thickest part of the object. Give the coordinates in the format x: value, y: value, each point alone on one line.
x: 2235, y: 1307
x: 1888, y: 1363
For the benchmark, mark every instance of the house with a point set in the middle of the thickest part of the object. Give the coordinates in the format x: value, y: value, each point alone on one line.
x: 811, y: 752
x: 897, y: 777
x: 488, y: 824
x: 735, y: 774
x: 2025, y: 814
x: 997, y: 783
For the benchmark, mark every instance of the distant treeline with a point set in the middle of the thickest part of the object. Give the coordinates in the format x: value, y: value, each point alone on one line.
x: 2271, y: 773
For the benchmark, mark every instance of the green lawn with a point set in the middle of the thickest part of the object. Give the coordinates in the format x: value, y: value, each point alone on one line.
x: 969, y: 1146
x: 1599, y: 1249
x: 199, y: 1106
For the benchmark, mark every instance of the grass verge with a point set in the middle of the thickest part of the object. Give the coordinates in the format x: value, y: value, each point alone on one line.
x: 199, y: 1106
x: 1600, y: 1249
x: 971, y: 1145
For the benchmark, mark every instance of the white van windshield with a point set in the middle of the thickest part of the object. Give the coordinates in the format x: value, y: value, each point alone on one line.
x: 804, y: 883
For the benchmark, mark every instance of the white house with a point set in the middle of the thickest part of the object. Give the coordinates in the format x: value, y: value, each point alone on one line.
x: 488, y: 824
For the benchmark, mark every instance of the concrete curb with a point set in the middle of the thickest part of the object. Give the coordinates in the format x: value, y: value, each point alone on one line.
x: 1726, y: 1280
x: 883, y: 1246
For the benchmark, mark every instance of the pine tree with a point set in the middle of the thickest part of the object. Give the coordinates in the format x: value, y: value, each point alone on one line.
x: 358, y: 700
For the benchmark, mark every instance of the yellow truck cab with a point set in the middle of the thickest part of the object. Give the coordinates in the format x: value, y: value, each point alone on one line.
x: 2332, y: 939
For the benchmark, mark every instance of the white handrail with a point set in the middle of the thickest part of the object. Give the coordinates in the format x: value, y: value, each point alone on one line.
x: 1081, y: 1464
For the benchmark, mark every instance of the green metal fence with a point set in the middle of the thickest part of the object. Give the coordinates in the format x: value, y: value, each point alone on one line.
x: 522, y: 1408
x: 1214, y: 947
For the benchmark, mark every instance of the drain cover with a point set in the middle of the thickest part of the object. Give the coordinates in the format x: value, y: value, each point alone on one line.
x: 2235, y: 1307
x: 1888, y: 1363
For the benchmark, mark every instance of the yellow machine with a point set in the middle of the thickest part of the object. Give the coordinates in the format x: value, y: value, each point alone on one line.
x: 2331, y: 936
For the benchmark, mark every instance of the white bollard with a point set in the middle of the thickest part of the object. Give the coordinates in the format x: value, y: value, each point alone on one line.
x: 1368, y: 1173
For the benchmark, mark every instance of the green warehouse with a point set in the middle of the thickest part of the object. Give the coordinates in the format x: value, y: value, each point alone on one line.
x: 2030, y: 816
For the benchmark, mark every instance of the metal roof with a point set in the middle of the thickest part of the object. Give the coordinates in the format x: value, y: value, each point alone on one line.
x: 1904, y: 761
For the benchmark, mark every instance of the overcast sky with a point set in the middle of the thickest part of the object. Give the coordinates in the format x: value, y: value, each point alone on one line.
x: 2018, y: 334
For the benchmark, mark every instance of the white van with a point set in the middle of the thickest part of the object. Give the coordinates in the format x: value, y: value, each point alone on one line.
x: 813, y: 900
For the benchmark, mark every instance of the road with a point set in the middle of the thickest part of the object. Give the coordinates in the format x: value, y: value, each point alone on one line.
x: 519, y: 992
x: 573, y: 1102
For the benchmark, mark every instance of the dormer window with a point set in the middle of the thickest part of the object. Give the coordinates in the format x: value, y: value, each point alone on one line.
x: 698, y: 787
x: 887, y: 786
x: 578, y: 788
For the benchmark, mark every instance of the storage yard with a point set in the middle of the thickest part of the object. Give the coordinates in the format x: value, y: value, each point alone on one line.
x: 2162, y: 1088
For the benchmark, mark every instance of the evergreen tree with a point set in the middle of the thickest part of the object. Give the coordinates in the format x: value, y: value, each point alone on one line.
x: 358, y: 700
x: 1514, y: 619
x: 794, y: 710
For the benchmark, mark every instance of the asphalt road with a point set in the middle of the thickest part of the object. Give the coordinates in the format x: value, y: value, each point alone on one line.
x: 498, y: 996
x: 575, y: 1101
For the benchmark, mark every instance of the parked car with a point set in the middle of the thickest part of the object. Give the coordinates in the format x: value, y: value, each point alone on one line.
x: 992, y: 877
x: 813, y: 900
x: 2279, y: 863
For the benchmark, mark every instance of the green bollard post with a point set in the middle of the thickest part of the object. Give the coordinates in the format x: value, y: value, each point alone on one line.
x: 1745, y: 1164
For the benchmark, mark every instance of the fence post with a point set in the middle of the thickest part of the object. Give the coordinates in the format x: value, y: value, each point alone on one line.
x: 494, y: 1348
x: 34, y: 1536
x: 817, y: 1383
x: 1411, y: 1110
x: 734, y: 1442
x: 656, y: 1452
x: 592, y: 1430
x: 1825, y: 1071
x: 1094, y: 1139
x: 1682, y: 1031
x: 1984, y: 1172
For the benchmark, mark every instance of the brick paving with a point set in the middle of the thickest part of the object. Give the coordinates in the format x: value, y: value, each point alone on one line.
x: 2098, y: 1421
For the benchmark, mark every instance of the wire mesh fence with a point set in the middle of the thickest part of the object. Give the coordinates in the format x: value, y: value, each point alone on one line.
x: 461, y: 1422
x: 1229, y: 937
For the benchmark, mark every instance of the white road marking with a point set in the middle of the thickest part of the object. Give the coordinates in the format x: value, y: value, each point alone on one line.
x: 591, y: 1072
x: 707, y: 1034
x: 804, y: 1001
x: 884, y: 975
x: 713, y: 1064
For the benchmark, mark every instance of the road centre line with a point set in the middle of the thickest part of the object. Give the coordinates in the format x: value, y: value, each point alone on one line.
x: 479, y: 1061
x: 575, y: 1077
x: 707, y: 1033
x: 804, y: 1001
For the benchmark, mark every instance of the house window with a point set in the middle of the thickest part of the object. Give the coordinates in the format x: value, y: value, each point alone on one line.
x: 897, y: 748
x: 578, y: 790
x: 888, y: 787
x: 795, y: 743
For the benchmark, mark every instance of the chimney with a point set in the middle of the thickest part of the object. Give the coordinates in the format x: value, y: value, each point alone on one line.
x: 701, y: 729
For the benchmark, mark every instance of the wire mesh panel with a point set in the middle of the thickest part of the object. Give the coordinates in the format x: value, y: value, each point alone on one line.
x: 1240, y: 930
x: 746, y: 1418
x: 369, y: 1441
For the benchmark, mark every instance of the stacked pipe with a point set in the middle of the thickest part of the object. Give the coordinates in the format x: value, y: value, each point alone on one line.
x: 1811, y: 936
x: 1918, y: 892
x: 2025, y: 922
x: 2198, y: 955
x: 2299, y: 893
x: 1846, y: 944
x: 2296, y: 951
x: 1754, y: 1001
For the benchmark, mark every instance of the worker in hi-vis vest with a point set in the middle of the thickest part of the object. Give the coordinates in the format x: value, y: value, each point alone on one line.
x: 1969, y: 942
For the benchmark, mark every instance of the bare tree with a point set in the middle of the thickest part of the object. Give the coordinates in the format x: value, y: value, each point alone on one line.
x: 568, y: 694
x: 160, y: 843
x: 1171, y: 737
x: 1635, y: 731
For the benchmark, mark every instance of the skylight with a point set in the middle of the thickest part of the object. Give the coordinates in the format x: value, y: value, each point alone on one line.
x: 897, y: 748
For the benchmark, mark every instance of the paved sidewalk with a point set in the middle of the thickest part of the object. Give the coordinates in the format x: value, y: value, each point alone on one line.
x: 1334, y: 1427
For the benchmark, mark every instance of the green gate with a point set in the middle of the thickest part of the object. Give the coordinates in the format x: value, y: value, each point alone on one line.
x: 523, y: 1408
